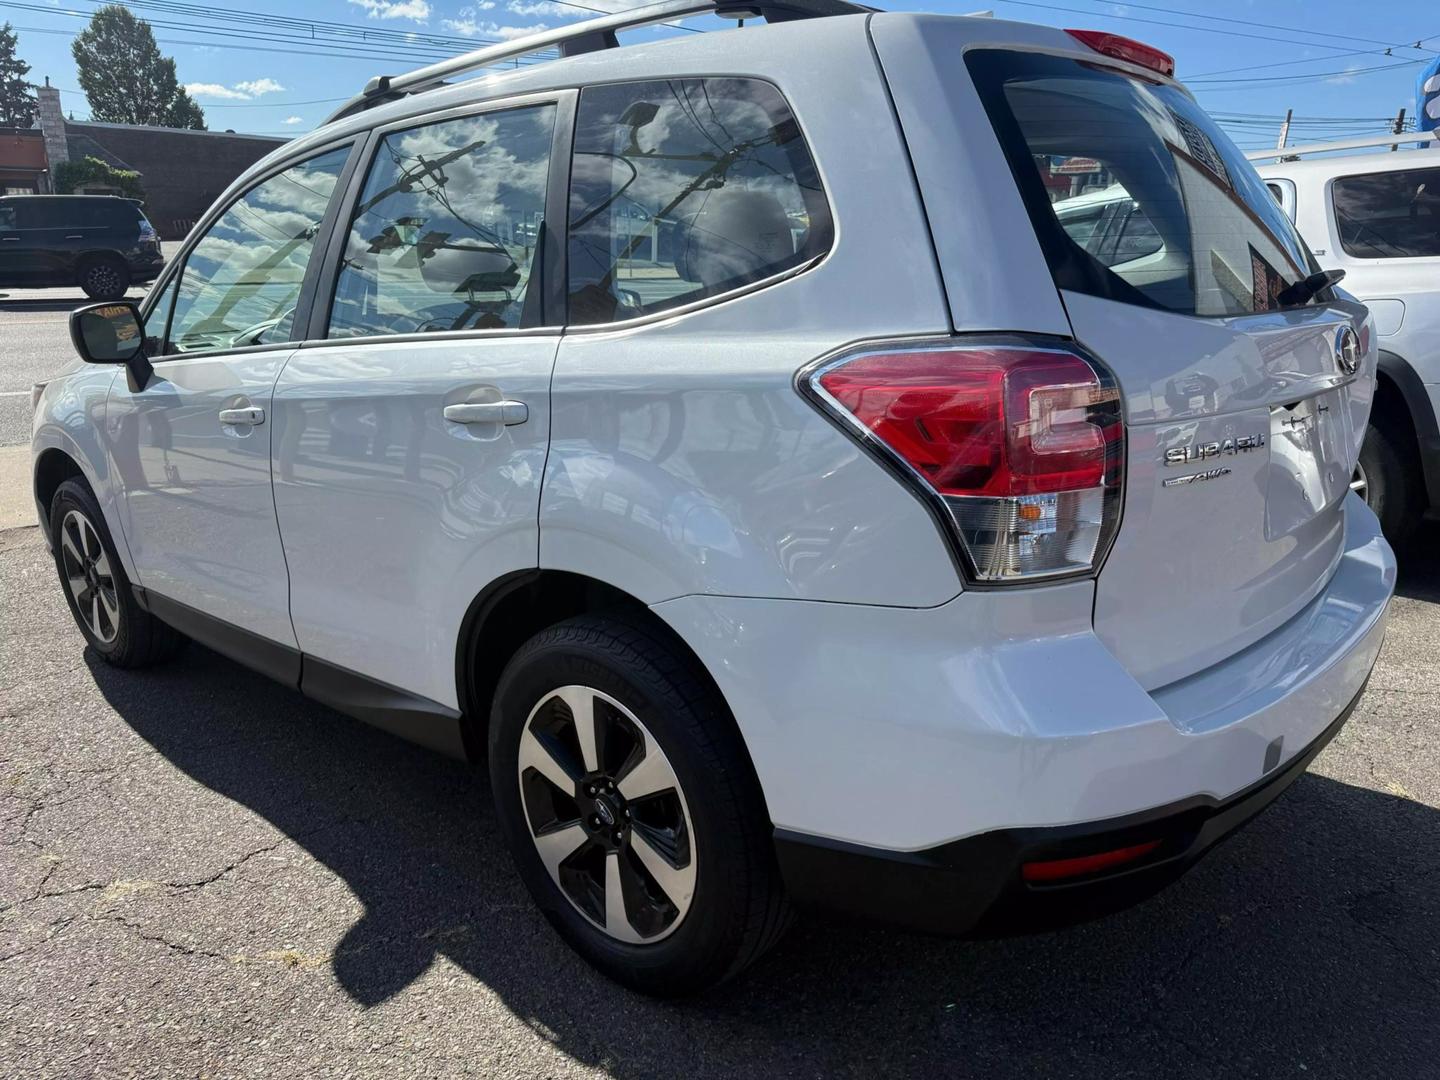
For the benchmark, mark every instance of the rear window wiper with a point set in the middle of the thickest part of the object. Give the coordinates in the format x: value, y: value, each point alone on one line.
x: 1303, y: 291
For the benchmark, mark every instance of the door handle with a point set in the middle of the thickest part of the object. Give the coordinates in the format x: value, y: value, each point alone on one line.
x: 76, y: 236
x: 508, y: 413
x: 252, y: 415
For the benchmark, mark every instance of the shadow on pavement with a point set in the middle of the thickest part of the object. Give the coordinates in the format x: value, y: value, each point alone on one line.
x: 1307, y: 945
x: 1420, y: 565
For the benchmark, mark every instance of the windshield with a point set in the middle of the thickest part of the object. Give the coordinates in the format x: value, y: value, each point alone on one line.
x: 1135, y: 193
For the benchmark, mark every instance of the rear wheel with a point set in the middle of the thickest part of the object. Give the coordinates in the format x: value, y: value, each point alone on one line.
x: 96, y: 587
x: 631, y: 809
x: 1388, y: 479
x: 104, y: 279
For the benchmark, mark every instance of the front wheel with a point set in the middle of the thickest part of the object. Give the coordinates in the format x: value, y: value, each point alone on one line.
x: 99, y: 594
x: 631, y: 809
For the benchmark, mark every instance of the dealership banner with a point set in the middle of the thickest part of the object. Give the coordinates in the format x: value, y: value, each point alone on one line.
x: 1427, y: 98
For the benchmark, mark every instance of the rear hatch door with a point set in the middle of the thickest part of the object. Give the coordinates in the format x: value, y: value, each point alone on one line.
x: 1245, y: 401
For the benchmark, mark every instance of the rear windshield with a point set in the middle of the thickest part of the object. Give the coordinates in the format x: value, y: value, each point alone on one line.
x: 1136, y: 195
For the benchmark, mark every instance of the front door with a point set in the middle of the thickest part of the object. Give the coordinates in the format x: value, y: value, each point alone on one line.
x: 410, y: 440
x: 192, y: 448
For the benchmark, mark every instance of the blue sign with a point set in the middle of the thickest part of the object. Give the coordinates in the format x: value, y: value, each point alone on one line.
x: 1427, y: 98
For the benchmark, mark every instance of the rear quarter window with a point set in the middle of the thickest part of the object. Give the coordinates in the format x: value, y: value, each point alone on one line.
x: 686, y: 189
x: 1190, y: 227
x: 1389, y: 215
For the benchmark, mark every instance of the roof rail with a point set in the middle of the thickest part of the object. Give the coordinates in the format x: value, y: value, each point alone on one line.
x: 591, y: 35
x: 1291, y: 153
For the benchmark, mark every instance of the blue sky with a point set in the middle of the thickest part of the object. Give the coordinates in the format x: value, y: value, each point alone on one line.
x: 1326, y: 59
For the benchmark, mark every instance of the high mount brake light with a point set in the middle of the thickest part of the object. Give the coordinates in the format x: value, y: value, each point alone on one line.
x: 1021, y: 445
x: 1124, y: 48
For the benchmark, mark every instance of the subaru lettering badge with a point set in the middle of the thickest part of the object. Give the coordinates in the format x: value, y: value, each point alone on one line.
x: 1347, y: 351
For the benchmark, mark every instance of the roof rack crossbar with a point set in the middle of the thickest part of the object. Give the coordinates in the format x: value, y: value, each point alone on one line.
x: 1388, y: 139
x: 588, y: 36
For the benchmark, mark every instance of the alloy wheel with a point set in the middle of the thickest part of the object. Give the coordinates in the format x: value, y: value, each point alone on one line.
x: 104, y: 281
x: 88, y: 574
x: 607, y: 815
x: 1360, y: 483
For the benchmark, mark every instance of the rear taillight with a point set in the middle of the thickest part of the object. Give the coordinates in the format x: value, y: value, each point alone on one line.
x: 1128, y: 49
x: 1019, y: 445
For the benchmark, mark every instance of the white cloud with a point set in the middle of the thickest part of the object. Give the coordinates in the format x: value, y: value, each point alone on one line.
x: 547, y: 8
x: 290, y: 120
x: 214, y: 90
x: 241, y: 91
x: 256, y: 87
x: 468, y: 26
x: 414, y: 10
x: 1344, y: 77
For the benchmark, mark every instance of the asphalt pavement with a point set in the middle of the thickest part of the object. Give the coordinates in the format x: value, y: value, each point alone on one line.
x: 203, y: 874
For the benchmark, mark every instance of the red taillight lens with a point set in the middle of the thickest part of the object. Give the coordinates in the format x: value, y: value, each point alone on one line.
x: 1023, y: 444
x: 1124, y: 48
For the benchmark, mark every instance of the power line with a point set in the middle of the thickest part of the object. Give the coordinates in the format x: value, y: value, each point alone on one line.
x: 1306, y: 60
x: 1312, y: 74
x: 1179, y: 26
x: 1250, y: 22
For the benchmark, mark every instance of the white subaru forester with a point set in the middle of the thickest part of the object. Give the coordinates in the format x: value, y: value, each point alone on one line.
x: 753, y: 469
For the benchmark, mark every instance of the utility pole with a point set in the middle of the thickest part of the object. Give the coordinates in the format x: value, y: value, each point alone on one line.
x: 1285, y: 130
x: 1399, y: 127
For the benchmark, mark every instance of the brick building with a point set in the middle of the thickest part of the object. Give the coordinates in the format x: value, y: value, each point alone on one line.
x: 182, y: 171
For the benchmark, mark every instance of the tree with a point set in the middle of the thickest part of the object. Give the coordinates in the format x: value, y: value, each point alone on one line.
x: 17, y: 103
x: 125, y: 78
x: 70, y: 176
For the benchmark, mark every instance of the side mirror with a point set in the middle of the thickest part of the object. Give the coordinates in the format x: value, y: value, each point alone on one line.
x: 112, y: 333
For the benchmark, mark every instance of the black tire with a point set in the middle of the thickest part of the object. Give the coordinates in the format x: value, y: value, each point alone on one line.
x: 737, y: 909
x: 104, y: 278
x: 133, y: 638
x: 1392, y: 485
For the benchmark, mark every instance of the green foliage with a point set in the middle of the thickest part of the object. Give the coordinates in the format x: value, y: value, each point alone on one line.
x: 70, y: 175
x: 17, y: 102
x: 125, y: 78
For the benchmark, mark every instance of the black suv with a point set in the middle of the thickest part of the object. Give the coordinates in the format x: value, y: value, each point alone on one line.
x: 102, y: 243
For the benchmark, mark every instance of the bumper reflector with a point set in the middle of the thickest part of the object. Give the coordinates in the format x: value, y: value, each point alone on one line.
x: 1060, y: 869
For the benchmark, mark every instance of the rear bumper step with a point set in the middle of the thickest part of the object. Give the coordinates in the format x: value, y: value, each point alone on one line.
x: 975, y: 886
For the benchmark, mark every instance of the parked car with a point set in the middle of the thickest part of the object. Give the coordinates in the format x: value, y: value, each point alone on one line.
x: 863, y: 542
x: 102, y: 243
x: 1377, y: 217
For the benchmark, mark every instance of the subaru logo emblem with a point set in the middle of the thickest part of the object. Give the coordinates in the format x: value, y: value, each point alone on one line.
x: 602, y: 808
x: 1347, y: 351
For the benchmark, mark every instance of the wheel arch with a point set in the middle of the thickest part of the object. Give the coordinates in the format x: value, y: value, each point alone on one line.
x: 1401, y: 397
x: 519, y: 605
x: 52, y: 468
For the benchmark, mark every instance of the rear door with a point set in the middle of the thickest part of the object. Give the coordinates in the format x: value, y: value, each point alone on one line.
x: 411, y: 429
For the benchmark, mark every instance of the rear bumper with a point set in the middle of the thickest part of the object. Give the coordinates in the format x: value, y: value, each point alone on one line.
x: 976, y: 887
x: 911, y: 747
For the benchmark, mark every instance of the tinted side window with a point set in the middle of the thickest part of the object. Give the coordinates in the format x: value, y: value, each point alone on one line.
x: 44, y: 212
x: 7, y: 217
x: 107, y: 213
x: 444, y: 236
x: 242, y: 279
x: 685, y: 189
x: 1392, y: 215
